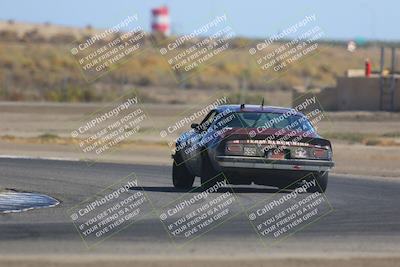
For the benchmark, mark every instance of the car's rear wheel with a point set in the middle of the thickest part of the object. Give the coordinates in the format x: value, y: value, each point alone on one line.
x: 321, y: 184
x: 181, y: 177
x: 208, y: 176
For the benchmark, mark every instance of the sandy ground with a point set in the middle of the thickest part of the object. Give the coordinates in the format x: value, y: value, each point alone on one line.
x: 276, y: 261
x: 30, y: 120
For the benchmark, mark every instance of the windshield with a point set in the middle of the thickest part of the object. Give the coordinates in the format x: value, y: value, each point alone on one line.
x: 269, y: 120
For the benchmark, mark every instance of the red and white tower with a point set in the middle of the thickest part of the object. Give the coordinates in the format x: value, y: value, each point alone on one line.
x: 160, y: 22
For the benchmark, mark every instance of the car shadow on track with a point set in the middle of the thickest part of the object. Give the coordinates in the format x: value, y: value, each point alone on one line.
x: 170, y: 189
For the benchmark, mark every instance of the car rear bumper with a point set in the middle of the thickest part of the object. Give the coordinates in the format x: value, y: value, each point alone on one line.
x: 271, y: 164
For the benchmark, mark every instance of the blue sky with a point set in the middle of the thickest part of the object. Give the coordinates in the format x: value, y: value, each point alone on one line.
x: 340, y: 19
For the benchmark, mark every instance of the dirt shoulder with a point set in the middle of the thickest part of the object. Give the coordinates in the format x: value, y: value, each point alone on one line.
x: 364, y: 143
x: 154, y: 261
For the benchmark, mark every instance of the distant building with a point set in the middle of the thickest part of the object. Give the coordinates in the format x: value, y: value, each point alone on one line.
x: 360, y: 90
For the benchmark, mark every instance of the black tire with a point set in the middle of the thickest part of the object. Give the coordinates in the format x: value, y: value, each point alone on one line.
x: 322, y: 183
x: 208, y: 173
x: 181, y: 177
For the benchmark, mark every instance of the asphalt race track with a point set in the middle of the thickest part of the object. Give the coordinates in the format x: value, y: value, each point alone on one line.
x: 365, y: 216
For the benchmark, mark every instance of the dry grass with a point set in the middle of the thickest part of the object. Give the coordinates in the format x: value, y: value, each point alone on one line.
x: 385, y: 139
x: 43, y: 69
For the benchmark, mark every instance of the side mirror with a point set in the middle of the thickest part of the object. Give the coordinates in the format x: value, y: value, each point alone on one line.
x: 195, y: 126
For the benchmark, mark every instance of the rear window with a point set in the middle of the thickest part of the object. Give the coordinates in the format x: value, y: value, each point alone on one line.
x: 270, y: 120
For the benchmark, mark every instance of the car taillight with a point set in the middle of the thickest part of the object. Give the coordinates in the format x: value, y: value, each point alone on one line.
x: 276, y: 154
x: 309, y: 153
x: 240, y: 149
x: 300, y: 153
x: 234, y: 149
x: 320, y: 153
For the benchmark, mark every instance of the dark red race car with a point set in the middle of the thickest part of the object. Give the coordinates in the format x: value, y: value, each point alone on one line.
x: 253, y: 144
